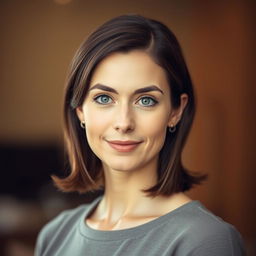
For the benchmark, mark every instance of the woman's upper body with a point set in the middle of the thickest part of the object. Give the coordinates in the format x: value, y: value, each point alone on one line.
x: 129, y: 106
x: 187, y: 230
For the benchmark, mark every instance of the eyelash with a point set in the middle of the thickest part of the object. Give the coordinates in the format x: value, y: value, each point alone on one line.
x: 99, y: 96
x: 155, y: 102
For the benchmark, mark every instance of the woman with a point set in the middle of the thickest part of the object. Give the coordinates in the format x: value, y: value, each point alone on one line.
x: 129, y: 106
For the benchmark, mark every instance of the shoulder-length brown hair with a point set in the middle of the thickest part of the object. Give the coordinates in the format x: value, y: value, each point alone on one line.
x: 123, y: 34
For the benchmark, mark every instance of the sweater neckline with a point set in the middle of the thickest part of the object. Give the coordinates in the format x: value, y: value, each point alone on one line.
x: 106, y: 235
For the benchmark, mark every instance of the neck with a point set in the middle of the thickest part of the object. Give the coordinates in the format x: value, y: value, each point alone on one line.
x: 124, y: 199
x: 123, y: 192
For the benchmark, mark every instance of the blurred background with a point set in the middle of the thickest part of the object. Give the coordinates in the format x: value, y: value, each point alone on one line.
x: 38, y: 41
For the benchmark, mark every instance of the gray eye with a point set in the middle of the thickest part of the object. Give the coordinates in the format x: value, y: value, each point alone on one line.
x: 147, y: 101
x: 103, y: 99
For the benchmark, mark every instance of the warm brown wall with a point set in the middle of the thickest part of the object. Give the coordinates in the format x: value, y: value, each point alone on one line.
x: 221, y: 57
x: 39, y: 38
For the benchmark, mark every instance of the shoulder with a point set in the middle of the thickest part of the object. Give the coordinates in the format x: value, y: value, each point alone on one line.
x: 208, y: 234
x: 61, y: 226
x: 65, y: 218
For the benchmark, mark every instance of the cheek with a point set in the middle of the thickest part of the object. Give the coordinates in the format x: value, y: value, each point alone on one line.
x: 154, y: 125
x: 96, y: 125
x: 154, y: 129
x: 95, y: 119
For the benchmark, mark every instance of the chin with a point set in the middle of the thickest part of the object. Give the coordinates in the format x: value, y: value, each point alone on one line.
x: 122, y: 166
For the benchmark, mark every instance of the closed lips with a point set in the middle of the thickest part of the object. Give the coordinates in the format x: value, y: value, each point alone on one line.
x: 124, y: 146
x: 128, y: 142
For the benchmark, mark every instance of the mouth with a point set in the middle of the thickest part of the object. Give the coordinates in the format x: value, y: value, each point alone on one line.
x: 124, y: 146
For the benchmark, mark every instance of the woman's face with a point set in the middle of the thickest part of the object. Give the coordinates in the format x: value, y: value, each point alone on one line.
x: 127, y: 111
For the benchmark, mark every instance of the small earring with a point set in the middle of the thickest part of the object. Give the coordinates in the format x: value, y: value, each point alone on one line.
x: 172, y: 129
x: 82, y: 124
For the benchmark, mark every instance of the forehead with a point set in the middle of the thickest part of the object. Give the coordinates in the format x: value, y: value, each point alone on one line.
x: 129, y: 70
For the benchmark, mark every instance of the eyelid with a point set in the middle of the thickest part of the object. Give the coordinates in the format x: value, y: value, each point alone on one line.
x: 151, y: 97
x: 100, y: 95
x: 147, y: 96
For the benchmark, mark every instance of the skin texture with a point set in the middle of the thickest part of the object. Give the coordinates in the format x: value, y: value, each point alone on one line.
x: 120, y: 112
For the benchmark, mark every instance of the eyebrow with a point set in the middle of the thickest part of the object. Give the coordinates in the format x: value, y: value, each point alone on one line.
x: 149, y: 88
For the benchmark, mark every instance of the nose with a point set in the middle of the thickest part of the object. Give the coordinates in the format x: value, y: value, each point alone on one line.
x: 124, y: 119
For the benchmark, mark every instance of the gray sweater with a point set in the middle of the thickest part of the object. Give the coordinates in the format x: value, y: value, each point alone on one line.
x: 188, y: 230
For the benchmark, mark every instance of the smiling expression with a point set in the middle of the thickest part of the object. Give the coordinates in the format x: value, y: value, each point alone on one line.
x: 127, y: 110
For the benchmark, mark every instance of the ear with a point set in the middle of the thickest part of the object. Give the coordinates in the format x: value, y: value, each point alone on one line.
x: 80, y: 113
x: 176, y: 114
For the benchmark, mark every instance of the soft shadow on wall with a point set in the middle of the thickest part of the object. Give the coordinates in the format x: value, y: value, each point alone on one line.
x: 40, y: 38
